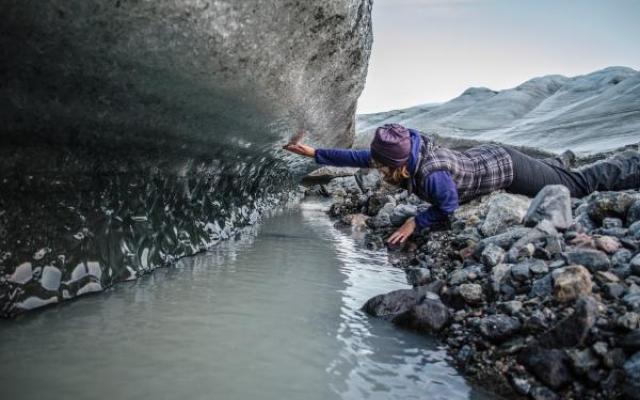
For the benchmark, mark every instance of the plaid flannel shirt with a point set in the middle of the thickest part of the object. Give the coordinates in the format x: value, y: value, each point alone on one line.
x: 477, y: 171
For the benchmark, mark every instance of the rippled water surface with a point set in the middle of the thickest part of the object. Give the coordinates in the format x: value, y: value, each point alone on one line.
x: 271, y: 317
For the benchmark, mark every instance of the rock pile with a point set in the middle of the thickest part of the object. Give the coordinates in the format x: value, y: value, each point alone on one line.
x: 537, y: 297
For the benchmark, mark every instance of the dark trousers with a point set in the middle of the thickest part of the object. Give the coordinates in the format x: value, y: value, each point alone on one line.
x: 616, y: 173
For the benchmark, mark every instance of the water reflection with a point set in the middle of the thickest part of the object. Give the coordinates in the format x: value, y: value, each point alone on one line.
x: 269, y: 317
x: 375, y: 359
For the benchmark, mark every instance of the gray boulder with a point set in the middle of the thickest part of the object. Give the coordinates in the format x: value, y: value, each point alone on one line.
x: 570, y: 283
x: 609, y: 204
x: 593, y: 260
x: 395, y: 302
x: 552, y: 203
x: 499, y: 327
x: 430, y: 316
x: 548, y: 365
x: 504, y: 211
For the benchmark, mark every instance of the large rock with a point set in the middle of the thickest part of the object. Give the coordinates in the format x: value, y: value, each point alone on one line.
x: 430, y: 316
x: 395, y: 302
x: 548, y: 365
x: 499, y: 327
x: 471, y: 293
x: 574, y: 329
x: 609, y: 204
x: 552, y: 203
x: 505, y: 210
x: 593, y: 260
x: 137, y: 132
x: 325, y: 174
x: 570, y: 283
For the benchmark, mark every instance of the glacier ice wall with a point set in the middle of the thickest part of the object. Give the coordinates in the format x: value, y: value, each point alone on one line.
x: 135, y: 131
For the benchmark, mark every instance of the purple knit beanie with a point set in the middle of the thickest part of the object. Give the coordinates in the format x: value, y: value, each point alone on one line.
x: 391, y: 145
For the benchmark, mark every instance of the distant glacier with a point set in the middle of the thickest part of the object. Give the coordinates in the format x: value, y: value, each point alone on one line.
x: 588, y: 113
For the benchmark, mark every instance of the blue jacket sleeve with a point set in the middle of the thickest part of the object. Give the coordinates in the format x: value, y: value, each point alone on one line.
x: 444, y: 199
x: 343, y: 157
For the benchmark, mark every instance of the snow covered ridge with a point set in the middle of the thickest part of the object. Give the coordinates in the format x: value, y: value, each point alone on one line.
x: 589, y: 113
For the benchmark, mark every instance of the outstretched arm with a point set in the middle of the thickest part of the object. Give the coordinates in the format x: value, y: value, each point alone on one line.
x: 335, y: 157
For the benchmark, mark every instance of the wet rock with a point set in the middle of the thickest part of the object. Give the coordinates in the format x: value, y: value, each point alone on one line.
x: 373, y: 241
x: 383, y: 218
x: 492, y: 255
x: 632, y: 381
x: 504, y: 210
x: 395, y: 302
x: 50, y: 279
x: 570, y: 283
x: 609, y: 204
x: 593, y: 260
x: 499, y: 327
x: 574, y: 329
x: 552, y: 203
x: 324, y: 175
x: 471, y: 293
x: 548, y: 365
x: 378, y: 200
x: 418, y: 276
x: 341, y: 186
x: 22, y: 274
x: 430, y: 316
x: 631, y: 341
x: 401, y: 212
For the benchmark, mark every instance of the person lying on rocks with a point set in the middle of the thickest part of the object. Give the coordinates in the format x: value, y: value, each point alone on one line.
x: 446, y: 178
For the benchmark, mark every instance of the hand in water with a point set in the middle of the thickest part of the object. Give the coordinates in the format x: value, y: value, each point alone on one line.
x: 403, y: 233
x: 301, y: 149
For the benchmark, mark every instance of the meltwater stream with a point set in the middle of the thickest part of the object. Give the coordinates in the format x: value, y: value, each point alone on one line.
x: 269, y: 317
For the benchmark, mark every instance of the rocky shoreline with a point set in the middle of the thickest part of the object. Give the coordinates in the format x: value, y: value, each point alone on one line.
x: 536, y: 298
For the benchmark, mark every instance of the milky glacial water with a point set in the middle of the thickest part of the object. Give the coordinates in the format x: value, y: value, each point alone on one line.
x: 272, y: 316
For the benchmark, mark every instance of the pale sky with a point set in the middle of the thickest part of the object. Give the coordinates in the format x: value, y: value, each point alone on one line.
x: 432, y: 50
